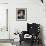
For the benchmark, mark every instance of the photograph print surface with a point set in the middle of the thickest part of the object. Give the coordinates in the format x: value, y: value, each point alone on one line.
x: 21, y: 14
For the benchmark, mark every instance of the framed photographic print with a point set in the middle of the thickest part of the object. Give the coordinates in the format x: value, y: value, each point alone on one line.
x: 21, y: 14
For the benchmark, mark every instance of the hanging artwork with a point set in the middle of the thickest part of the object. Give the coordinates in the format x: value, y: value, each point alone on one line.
x: 21, y: 14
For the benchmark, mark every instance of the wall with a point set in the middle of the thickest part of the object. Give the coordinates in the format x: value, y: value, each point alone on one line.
x: 35, y: 13
x: 3, y: 1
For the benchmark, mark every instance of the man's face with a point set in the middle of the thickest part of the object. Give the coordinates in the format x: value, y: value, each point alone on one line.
x: 21, y: 13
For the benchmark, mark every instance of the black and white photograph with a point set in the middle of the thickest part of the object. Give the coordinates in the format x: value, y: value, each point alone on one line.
x: 21, y: 14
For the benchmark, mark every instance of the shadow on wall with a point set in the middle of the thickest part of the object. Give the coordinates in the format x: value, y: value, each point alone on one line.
x: 41, y: 34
